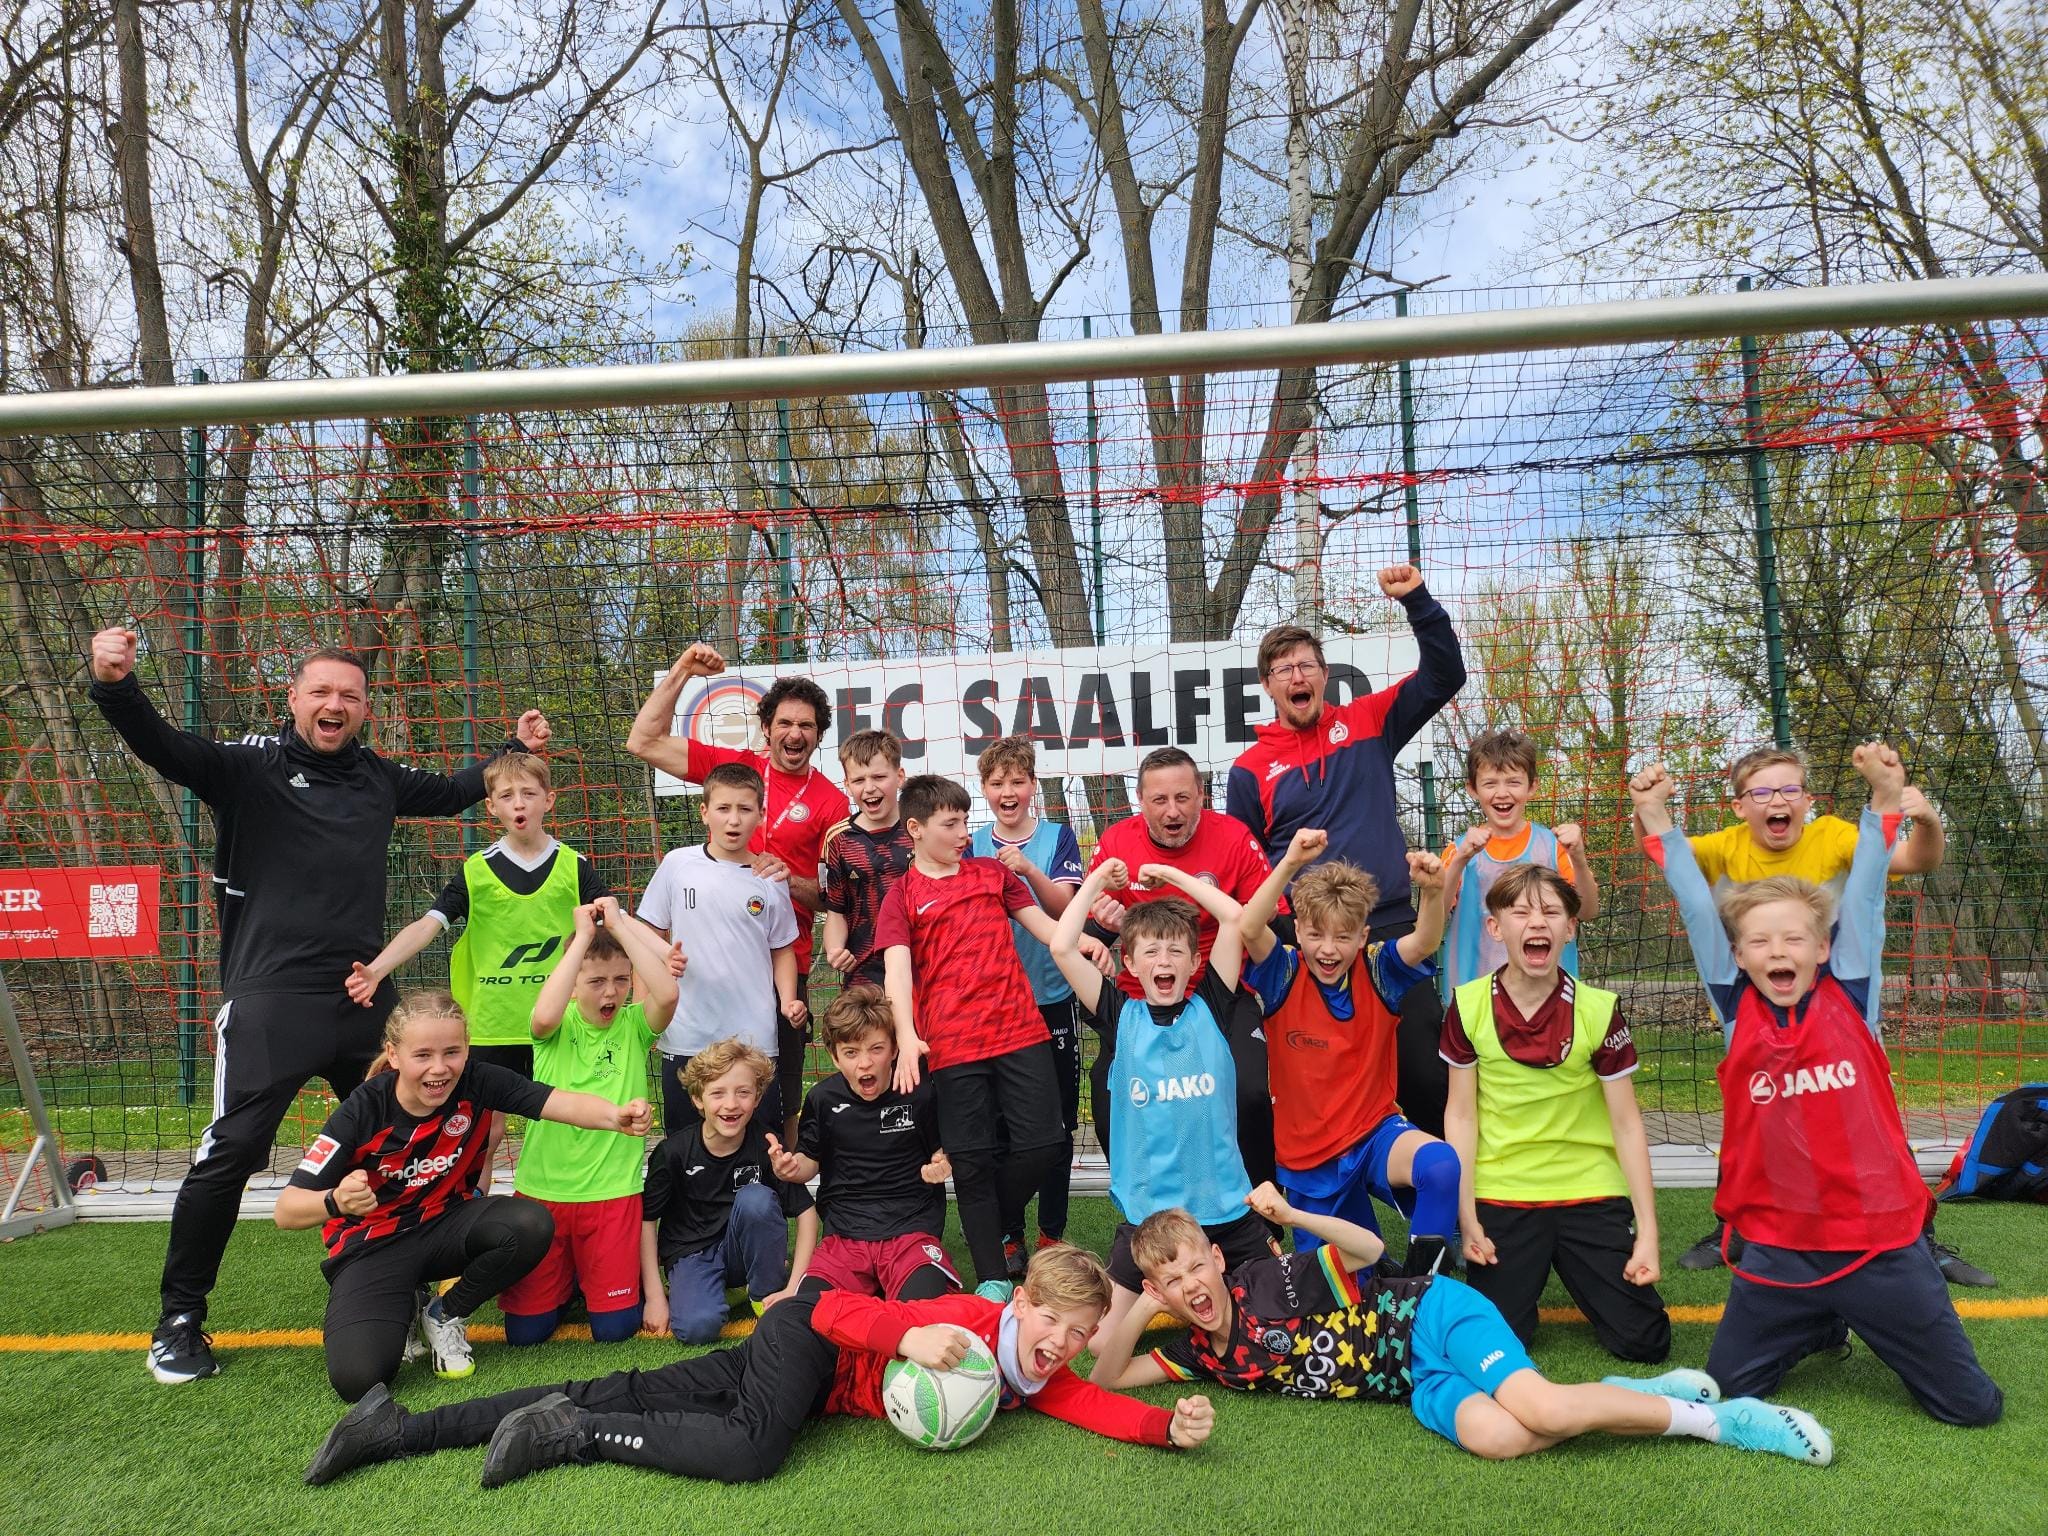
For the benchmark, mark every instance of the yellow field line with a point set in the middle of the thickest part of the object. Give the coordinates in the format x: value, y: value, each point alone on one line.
x: 1985, y: 1309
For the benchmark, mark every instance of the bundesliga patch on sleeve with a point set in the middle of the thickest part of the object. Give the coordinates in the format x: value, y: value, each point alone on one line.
x: 317, y: 1154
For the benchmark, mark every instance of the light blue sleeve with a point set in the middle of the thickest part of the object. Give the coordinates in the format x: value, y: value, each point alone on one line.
x: 1857, y: 952
x: 1711, y: 952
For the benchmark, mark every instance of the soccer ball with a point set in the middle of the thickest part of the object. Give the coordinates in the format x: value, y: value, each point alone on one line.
x: 942, y: 1410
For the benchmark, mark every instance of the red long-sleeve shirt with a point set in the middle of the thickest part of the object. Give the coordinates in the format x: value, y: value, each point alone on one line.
x: 869, y: 1332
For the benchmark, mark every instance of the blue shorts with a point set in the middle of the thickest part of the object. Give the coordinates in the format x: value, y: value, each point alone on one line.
x: 1347, y: 1185
x: 1461, y: 1345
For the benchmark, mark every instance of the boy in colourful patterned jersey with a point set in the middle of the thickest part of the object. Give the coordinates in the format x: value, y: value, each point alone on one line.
x: 959, y: 994
x: 733, y: 1415
x: 1045, y: 855
x: 515, y: 901
x: 1544, y: 1117
x: 1324, y: 1323
x: 590, y: 1035
x: 1816, y: 1174
x: 864, y: 855
x: 1332, y: 1004
x: 1501, y: 769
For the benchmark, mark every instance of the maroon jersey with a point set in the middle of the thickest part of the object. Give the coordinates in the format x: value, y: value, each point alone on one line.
x: 418, y: 1167
x: 973, y: 999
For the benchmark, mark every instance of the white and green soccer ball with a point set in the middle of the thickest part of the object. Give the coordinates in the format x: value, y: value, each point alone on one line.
x: 943, y: 1410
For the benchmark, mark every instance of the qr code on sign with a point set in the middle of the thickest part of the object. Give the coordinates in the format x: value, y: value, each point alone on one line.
x: 113, y: 911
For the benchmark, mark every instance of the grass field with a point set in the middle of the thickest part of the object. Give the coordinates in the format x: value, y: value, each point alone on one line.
x: 88, y: 1443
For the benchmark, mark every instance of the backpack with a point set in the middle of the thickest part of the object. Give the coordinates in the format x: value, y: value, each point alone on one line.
x: 2007, y: 1155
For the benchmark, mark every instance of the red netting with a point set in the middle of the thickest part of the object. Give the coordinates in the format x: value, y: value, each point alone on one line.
x: 1590, y: 519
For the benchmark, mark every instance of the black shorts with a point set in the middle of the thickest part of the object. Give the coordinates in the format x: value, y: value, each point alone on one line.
x: 513, y: 1058
x: 1241, y: 1240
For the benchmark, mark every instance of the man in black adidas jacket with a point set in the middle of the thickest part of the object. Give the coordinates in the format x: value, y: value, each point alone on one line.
x: 302, y: 826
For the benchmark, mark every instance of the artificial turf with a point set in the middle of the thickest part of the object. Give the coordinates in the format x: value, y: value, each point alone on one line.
x: 89, y: 1443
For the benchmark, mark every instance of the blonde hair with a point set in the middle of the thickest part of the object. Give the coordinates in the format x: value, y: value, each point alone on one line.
x: 517, y: 765
x: 1163, y: 1234
x: 1750, y: 763
x: 1066, y: 1278
x: 719, y: 1058
x: 859, y: 1010
x: 1737, y: 902
x: 1334, y: 895
x: 424, y: 1003
x: 1011, y: 752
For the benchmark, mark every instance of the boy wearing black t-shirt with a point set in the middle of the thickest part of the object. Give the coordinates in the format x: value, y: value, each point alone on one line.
x: 876, y: 1152
x: 714, y: 1213
x: 1323, y: 1322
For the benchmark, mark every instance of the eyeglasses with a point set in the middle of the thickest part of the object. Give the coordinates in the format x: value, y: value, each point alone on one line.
x: 1296, y: 669
x: 1765, y: 794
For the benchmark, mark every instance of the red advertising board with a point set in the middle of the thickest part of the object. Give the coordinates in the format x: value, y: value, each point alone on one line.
x: 102, y: 912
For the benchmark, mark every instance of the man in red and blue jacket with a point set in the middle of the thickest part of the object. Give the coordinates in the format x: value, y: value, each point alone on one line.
x: 1331, y: 767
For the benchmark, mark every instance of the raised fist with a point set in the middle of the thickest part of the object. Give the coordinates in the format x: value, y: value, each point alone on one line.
x: 1397, y: 581
x: 113, y: 654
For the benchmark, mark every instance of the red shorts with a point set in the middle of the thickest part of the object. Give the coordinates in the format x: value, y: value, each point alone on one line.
x: 877, y: 1266
x: 596, y: 1249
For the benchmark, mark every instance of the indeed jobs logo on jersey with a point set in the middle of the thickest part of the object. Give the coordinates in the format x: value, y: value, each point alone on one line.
x: 1088, y: 711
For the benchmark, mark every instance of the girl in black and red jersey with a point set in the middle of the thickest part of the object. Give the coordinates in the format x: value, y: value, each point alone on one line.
x: 392, y: 1180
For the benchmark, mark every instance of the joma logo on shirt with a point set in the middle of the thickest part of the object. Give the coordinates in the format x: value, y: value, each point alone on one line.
x: 1825, y: 1078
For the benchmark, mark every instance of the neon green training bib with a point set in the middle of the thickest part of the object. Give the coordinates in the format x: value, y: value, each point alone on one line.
x: 509, y: 946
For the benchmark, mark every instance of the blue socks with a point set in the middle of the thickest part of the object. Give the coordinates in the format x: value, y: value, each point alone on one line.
x: 1436, y: 1192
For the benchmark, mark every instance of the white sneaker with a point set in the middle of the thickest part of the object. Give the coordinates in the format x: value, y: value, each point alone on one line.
x: 447, y: 1340
x: 415, y: 1335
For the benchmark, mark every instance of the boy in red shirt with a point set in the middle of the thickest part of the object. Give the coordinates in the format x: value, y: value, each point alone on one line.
x: 1332, y: 1004
x: 732, y: 1415
x: 960, y: 995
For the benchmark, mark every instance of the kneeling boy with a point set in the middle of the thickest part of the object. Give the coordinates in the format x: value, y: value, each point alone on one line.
x: 875, y: 1153
x: 1324, y: 1323
x: 1816, y: 1175
x: 1332, y: 1004
x: 715, y: 1212
x: 733, y: 1414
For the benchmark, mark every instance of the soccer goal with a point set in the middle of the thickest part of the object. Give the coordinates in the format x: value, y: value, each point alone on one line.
x: 1673, y: 529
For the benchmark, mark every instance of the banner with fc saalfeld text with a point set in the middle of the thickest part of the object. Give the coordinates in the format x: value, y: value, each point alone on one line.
x: 1088, y: 711
x: 97, y: 912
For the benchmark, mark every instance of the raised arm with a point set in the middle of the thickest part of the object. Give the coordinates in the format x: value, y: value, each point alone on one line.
x: 1571, y: 840
x: 1065, y: 943
x: 1921, y: 852
x: 1226, y: 955
x: 1255, y: 918
x: 1440, y: 663
x: 1426, y: 878
x: 560, y: 986
x: 1650, y: 792
x: 652, y: 738
x: 648, y: 951
x: 208, y: 768
x: 1857, y: 950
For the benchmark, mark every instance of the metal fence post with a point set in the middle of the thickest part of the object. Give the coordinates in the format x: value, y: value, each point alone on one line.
x: 472, y: 468
x: 195, y: 720
x: 1095, y: 498
x: 785, y: 567
x: 1411, y: 501
x: 1766, y: 536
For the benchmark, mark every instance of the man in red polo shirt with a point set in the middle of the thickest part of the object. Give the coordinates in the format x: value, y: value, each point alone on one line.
x: 1174, y: 827
x: 802, y: 806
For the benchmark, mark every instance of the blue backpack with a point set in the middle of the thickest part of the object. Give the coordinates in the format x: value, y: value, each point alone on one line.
x: 2007, y: 1158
